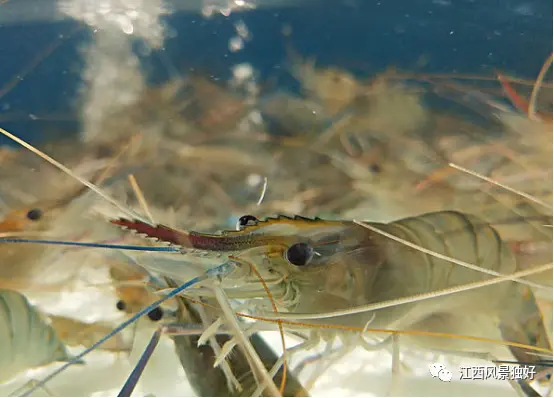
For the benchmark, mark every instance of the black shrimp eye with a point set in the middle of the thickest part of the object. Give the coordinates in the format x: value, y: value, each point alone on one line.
x: 121, y: 305
x: 156, y: 314
x: 34, y: 214
x: 246, y: 220
x: 374, y: 168
x: 299, y: 254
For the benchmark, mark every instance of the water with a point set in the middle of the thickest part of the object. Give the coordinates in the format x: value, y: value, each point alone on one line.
x: 363, y: 36
x: 63, y: 70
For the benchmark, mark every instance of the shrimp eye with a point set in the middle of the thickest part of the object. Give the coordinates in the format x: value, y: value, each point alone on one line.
x: 374, y: 168
x: 299, y: 254
x: 156, y: 314
x: 120, y: 305
x: 246, y: 220
x: 34, y: 214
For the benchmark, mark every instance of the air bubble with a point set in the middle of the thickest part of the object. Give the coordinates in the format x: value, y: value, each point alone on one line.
x: 236, y: 44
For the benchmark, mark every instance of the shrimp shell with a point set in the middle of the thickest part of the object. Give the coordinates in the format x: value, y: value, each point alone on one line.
x: 26, y: 340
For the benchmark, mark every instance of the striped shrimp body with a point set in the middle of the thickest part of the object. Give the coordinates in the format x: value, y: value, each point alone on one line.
x: 406, y: 272
x: 317, y: 266
x: 477, y: 312
x: 26, y: 340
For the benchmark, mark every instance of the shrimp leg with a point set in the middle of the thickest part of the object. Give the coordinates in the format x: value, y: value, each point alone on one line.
x: 209, y: 381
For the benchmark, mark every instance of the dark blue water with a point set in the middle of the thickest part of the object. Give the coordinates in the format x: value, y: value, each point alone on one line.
x: 365, y: 36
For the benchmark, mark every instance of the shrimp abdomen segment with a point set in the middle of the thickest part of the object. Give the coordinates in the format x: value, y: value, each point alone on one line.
x: 408, y: 271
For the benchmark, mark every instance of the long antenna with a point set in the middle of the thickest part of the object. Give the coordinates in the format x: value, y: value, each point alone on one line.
x: 170, y: 249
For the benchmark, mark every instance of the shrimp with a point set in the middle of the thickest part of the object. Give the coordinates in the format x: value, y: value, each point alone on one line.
x: 130, y: 282
x: 27, y: 340
x: 317, y: 267
x: 333, y: 87
x: 35, y: 219
x: 328, y: 247
x: 73, y: 333
x: 40, y: 218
